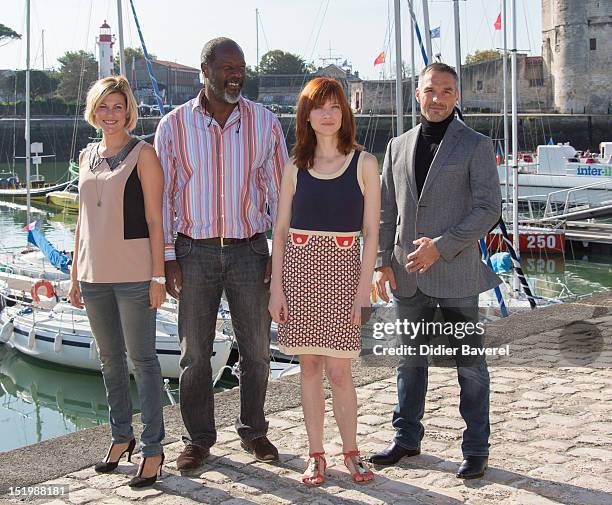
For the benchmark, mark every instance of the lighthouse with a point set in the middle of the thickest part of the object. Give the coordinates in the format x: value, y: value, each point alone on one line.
x: 105, y: 51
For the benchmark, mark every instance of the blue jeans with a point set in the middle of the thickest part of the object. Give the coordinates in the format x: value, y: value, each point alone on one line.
x: 473, y: 376
x: 121, y: 319
x: 207, y: 271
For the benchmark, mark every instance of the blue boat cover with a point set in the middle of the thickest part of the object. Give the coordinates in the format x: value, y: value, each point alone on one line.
x: 501, y: 262
x: 58, y: 260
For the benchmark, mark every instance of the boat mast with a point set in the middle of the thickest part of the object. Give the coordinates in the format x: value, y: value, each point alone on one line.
x: 121, y: 48
x: 457, y: 49
x: 505, y: 91
x: 257, y: 39
x: 427, y: 31
x: 399, y: 99
x: 412, y: 69
x: 27, y: 118
x: 515, y: 234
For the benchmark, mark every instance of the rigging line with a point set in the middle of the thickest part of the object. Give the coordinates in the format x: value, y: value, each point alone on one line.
x: 314, y: 25
x: 108, y: 9
x: 263, y: 30
x: 320, y: 28
x: 311, y: 54
x: 484, y: 20
x: 80, y: 88
x: 533, y: 72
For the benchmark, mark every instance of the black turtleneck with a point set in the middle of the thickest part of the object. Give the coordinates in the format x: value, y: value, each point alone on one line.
x: 430, y: 137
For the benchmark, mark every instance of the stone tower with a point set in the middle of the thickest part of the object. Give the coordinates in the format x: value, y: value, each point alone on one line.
x: 577, y: 51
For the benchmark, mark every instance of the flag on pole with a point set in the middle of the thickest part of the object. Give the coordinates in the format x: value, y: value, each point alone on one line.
x: 30, y: 226
x: 435, y: 33
x: 499, y: 155
x: 379, y: 59
x: 497, y: 25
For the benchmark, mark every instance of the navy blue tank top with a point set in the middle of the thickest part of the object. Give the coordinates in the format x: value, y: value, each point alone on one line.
x: 334, y: 204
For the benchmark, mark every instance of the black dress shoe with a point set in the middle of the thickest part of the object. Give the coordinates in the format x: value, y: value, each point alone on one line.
x: 392, y: 454
x: 473, y: 467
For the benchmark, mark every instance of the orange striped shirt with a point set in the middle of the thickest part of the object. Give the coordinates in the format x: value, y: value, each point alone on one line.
x: 219, y: 182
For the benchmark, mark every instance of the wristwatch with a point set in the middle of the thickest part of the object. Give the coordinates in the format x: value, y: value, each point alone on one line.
x: 159, y: 280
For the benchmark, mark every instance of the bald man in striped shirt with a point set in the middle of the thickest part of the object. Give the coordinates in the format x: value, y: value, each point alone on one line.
x: 222, y: 157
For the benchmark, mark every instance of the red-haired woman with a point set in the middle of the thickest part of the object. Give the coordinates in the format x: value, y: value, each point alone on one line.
x: 330, y: 195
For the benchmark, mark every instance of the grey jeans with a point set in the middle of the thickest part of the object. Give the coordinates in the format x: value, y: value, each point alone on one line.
x: 207, y: 271
x: 121, y: 319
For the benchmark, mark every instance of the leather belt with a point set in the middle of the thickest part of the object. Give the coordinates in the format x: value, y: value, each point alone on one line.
x: 223, y: 241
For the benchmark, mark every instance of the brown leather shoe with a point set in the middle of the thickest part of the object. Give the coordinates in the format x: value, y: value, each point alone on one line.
x: 192, y: 457
x: 261, y: 448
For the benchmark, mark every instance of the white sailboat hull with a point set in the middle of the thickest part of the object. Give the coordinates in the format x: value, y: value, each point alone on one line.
x: 538, y: 186
x: 63, y: 336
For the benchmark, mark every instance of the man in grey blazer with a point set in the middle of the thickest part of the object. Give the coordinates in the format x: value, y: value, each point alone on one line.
x: 440, y: 195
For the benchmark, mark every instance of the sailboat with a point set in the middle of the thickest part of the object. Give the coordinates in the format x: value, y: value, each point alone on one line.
x: 34, y: 186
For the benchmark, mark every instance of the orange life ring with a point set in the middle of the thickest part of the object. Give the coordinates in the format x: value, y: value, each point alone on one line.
x: 49, y: 291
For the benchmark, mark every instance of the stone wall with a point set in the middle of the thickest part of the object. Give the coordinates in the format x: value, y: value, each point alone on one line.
x: 482, y: 85
x: 577, y: 45
x: 374, y: 132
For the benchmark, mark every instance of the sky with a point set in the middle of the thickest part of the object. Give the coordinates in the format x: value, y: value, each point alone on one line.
x: 176, y: 30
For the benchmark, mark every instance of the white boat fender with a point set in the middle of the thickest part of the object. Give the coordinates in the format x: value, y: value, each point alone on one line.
x: 58, y: 341
x: 93, y: 350
x: 6, y: 332
x: 32, y: 338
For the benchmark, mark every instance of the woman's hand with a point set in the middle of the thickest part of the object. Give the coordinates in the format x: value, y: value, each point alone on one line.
x: 157, y: 294
x: 362, y: 300
x: 278, y: 306
x: 74, y: 294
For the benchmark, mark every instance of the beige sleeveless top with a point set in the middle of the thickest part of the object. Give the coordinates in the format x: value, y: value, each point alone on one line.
x: 113, y: 234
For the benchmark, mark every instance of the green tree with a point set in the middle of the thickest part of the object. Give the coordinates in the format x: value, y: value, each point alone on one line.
x: 7, y: 34
x: 131, y: 54
x: 485, y: 55
x: 75, y: 65
x: 42, y: 84
x: 280, y: 62
x: 251, y: 85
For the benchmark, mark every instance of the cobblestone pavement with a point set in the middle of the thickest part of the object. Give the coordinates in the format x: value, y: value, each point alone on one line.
x: 551, y: 442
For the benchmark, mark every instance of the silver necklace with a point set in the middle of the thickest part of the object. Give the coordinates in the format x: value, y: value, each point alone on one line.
x: 113, y: 162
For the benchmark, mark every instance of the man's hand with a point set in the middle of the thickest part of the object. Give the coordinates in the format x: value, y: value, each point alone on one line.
x: 425, y: 255
x: 174, y: 279
x: 384, y: 275
x: 268, y: 274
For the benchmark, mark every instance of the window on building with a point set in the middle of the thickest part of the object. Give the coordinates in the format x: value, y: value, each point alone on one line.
x: 593, y: 44
x: 536, y: 83
x: 478, y: 85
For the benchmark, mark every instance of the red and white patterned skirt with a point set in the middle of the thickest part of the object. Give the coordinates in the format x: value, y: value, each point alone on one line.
x: 320, y: 277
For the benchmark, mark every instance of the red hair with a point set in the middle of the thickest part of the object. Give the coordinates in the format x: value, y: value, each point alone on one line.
x: 314, y: 95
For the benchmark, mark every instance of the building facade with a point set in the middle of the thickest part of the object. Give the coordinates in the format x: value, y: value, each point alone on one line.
x: 482, y: 85
x: 177, y: 83
x: 378, y: 96
x: 577, y: 52
x: 283, y: 89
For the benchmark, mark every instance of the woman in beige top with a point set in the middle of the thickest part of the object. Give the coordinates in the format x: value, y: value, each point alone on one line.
x: 118, y: 269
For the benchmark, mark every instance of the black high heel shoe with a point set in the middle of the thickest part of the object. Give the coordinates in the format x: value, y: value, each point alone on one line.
x: 108, y: 466
x: 140, y: 481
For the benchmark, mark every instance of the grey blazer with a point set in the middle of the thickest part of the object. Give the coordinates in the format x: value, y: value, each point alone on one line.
x: 459, y: 203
